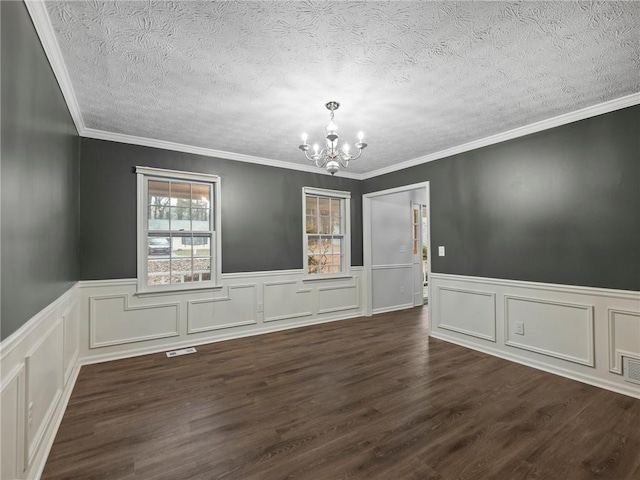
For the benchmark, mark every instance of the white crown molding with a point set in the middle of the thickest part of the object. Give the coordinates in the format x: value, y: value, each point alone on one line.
x: 41, y: 22
x: 207, y: 152
x: 40, y: 17
x: 584, y: 113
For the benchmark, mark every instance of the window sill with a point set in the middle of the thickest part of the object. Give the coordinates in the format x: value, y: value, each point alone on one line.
x: 175, y: 291
x: 319, y: 278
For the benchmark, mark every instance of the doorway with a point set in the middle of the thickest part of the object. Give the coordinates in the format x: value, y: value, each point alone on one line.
x: 395, y: 235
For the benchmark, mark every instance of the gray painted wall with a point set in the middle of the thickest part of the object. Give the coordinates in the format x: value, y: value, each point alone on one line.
x: 559, y: 206
x: 40, y: 160
x: 261, y: 209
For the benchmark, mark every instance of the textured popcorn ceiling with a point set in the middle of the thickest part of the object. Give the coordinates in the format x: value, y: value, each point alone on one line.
x: 416, y: 77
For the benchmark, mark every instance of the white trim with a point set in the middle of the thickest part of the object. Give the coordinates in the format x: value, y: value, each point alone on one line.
x: 325, y: 192
x: 205, y: 341
x: 345, y: 204
x: 366, y: 246
x: 182, y: 175
x: 554, y: 287
x: 41, y: 22
x: 115, y: 282
x: 208, y: 152
x: 41, y: 458
x: 143, y: 176
x: 616, y: 354
x: 395, y: 308
x: 329, y: 288
x: 471, y: 333
x: 573, y: 375
x: 93, y: 343
x: 583, y: 113
x: 588, y: 361
x: 18, y: 374
x: 9, y: 343
x: 392, y: 266
x: 225, y: 298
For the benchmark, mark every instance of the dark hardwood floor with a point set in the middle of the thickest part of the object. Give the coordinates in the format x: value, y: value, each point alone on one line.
x: 369, y: 398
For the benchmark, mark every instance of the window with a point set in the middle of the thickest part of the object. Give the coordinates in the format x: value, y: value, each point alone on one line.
x: 178, y: 230
x: 327, y: 242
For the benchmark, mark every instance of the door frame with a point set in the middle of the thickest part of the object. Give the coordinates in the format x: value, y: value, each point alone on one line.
x: 366, y: 240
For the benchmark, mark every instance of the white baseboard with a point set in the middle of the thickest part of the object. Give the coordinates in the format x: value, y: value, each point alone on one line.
x: 562, y: 329
x: 393, y: 308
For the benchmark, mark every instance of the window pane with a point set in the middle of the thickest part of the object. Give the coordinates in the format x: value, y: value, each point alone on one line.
x: 312, y: 205
x: 158, y: 193
x: 200, y: 196
x: 201, y: 269
x: 325, y: 225
x: 337, y: 245
x: 181, y: 270
x: 324, y: 206
x: 158, y: 217
x: 312, y: 224
x: 336, y: 224
x: 314, y: 263
x: 201, y: 246
x: 336, y: 216
x: 180, y: 218
x: 200, y: 219
x: 158, y: 272
x: 180, y: 194
x: 158, y: 247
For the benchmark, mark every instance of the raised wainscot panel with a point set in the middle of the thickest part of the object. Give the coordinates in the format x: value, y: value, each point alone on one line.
x: 470, y: 312
x: 285, y: 300
x: 337, y: 298
x: 624, y: 337
x: 44, y: 370
x: 114, y: 322
x: 236, y: 308
x: 558, y: 329
x: 12, y: 425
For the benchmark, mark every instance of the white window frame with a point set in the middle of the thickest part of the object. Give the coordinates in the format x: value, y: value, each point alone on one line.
x: 144, y: 174
x: 345, y: 201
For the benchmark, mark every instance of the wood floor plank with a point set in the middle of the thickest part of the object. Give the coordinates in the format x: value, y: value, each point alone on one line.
x: 367, y: 398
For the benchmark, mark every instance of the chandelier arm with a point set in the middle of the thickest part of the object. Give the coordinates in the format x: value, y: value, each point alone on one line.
x: 320, y: 159
x: 357, y: 156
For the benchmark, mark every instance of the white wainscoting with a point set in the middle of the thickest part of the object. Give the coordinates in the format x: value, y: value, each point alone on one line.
x: 624, y: 337
x: 467, y: 311
x: 391, y: 287
x: 571, y: 324
x: 578, y: 332
x: 39, y: 365
x: 121, y: 324
x: 236, y: 307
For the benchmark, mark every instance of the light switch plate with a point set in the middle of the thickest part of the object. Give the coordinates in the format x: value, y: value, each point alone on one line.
x: 441, y: 251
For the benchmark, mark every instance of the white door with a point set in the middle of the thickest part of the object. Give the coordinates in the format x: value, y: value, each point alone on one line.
x: 416, y: 250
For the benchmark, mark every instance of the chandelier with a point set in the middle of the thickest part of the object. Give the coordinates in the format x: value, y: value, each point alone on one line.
x: 332, y: 157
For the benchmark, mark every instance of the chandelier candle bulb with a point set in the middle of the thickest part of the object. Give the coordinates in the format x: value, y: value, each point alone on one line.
x: 332, y: 157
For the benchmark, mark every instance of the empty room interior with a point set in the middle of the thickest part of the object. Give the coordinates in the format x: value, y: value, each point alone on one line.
x: 320, y: 240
